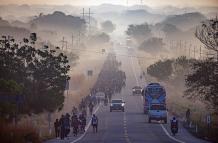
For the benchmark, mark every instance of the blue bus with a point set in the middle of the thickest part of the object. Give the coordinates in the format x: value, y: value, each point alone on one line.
x: 153, y: 91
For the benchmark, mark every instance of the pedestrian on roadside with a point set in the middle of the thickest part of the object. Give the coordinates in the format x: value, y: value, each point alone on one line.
x: 62, y: 127
x: 95, y: 123
x: 75, y: 124
x: 188, y: 113
x: 91, y: 106
x: 57, y: 128
x: 67, y: 124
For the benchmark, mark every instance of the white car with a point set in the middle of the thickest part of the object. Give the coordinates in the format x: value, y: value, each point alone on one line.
x: 117, y: 104
x: 137, y: 90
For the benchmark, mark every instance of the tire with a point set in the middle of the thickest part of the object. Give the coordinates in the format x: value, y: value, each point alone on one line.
x: 123, y: 110
x: 165, y: 121
x: 149, y: 120
x: 110, y: 110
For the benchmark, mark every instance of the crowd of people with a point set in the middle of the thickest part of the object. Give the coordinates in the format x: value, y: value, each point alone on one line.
x: 63, y: 125
x: 110, y: 81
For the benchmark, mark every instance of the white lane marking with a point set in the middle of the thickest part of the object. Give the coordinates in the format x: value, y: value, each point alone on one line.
x: 86, y: 129
x: 134, y: 72
x: 166, y: 132
x: 164, y: 129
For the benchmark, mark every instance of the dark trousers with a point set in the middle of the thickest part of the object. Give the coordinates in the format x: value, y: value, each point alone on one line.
x: 62, y: 133
x: 57, y: 132
x: 95, y: 128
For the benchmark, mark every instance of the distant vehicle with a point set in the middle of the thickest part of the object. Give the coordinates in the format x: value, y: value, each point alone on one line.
x: 137, y: 90
x: 117, y: 104
x: 157, y: 112
x: 153, y: 91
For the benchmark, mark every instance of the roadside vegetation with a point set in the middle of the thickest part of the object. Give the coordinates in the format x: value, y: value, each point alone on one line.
x: 192, y: 84
x: 30, y: 78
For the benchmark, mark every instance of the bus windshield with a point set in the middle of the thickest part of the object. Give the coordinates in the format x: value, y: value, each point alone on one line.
x: 154, y: 90
x: 157, y: 107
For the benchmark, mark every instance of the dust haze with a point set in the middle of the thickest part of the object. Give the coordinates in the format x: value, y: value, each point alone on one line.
x: 87, y: 34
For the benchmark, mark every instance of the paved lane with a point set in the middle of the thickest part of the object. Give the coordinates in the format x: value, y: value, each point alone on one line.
x: 132, y: 125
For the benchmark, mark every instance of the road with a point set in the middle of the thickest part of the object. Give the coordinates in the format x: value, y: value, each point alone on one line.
x: 132, y: 125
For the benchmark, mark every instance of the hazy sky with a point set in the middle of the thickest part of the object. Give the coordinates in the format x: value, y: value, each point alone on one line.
x: 154, y: 3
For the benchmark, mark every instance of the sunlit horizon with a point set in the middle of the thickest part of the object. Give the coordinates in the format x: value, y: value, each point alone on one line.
x: 151, y: 3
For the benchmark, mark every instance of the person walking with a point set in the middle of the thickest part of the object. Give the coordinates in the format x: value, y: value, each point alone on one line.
x: 188, y: 113
x: 91, y: 106
x: 95, y: 123
x: 67, y: 124
x: 57, y: 128
x: 62, y: 127
x: 75, y: 124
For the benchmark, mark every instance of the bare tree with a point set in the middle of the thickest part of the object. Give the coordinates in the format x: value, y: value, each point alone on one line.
x: 207, y: 33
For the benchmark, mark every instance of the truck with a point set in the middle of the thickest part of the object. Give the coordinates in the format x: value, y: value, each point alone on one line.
x: 157, y: 111
x: 151, y: 92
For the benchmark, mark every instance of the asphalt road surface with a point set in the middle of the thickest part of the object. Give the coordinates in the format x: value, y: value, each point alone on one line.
x: 132, y: 125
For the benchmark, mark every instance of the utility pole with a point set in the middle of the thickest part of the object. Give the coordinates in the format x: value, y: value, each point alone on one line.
x: 200, y: 52
x: 79, y: 39
x: 89, y: 17
x: 180, y: 47
x: 189, y: 52
x: 72, y: 41
x: 83, y: 14
x: 194, y: 51
x: 185, y: 48
x: 63, y: 43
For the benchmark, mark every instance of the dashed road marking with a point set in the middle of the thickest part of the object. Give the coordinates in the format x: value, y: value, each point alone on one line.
x: 134, y: 72
x: 126, y: 136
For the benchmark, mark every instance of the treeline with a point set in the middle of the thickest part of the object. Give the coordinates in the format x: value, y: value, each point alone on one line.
x: 37, y: 74
x: 200, y: 77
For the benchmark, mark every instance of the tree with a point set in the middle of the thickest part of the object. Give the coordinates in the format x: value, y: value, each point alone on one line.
x: 207, y: 33
x: 108, y: 26
x: 100, y: 38
x: 152, y: 45
x: 139, y: 32
x: 202, y: 83
x: 42, y: 72
x: 161, y: 69
x: 10, y: 88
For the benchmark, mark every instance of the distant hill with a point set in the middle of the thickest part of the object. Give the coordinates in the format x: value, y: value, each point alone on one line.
x: 20, y: 24
x: 185, y: 21
x: 15, y: 32
x: 140, y: 16
x: 3, y: 22
x: 59, y: 22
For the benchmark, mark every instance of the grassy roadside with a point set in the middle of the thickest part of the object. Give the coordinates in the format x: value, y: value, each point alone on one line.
x: 178, y: 105
x: 80, y: 86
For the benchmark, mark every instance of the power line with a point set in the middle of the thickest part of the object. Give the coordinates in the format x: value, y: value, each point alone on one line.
x: 125, y: 55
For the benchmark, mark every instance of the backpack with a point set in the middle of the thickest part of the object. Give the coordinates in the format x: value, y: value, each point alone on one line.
x: 94, y: 121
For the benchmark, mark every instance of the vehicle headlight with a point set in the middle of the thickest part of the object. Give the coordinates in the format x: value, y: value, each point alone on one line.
x: 133, y: 90
x: 122, y: 104
x: 111, y: 104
